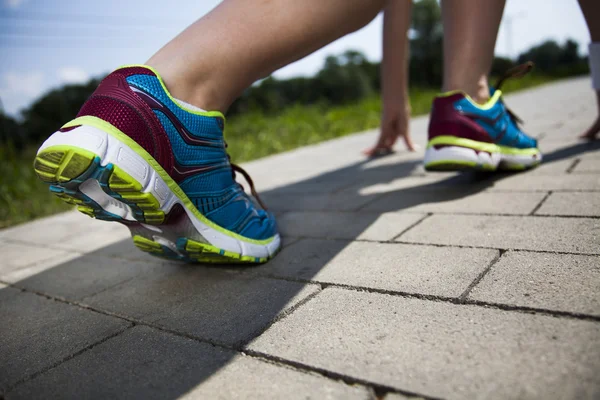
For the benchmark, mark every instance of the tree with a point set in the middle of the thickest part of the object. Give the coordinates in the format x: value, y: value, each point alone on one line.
x: 10, y: 131
x: 51, y: 111
x: 426, y: 44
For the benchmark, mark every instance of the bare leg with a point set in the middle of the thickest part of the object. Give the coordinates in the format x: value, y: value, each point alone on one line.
x: 591, y: 12
x: 215, y: 59
x: 470, y: 33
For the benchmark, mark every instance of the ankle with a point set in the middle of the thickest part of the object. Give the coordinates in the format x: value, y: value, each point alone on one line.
x: 200, y: 92
x: 478, y: 90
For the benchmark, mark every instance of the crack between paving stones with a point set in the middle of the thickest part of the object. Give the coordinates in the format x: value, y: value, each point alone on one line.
x: 444, y: 299
x: 479, y: 277
x: 411, y: 226
x: 238, y: 349
x: 67, y: 358
x: 573, y: 166
x: 109, y: 287
x: 284, y: 314
x: 379, y: 389
x: 540, y: 204
x: 459, y: 246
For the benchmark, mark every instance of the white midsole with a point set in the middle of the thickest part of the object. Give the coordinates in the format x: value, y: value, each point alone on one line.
x: 112, y: 150
x: 463, y: 154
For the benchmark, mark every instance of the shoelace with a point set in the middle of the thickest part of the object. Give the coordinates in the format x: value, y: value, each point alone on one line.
x: 236, y: 168
x: 516, y: 72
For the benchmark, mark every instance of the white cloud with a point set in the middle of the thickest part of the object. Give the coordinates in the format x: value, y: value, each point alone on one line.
x: 72, y: 75
x: 13, y: 3
x: 18, y: 89
x: 28, y: 84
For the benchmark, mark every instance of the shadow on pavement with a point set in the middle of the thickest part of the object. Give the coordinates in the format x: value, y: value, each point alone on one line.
x: 227, y: 307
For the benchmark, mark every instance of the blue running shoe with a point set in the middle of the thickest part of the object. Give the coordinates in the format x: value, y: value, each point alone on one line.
x: 467, y: 135
x: 137, y: 156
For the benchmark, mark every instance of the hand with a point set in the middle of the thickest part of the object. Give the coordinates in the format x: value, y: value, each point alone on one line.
x: 394, y: 124
x: 593, y: 130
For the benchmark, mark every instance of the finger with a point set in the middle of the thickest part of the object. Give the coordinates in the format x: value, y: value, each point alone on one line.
x: 410, y: 145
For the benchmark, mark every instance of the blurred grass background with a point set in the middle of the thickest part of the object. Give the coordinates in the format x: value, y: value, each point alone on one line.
x: 273, y: 115
x: 23, y: 197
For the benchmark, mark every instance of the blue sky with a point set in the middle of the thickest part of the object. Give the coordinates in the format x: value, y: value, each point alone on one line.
x: 45, y: 43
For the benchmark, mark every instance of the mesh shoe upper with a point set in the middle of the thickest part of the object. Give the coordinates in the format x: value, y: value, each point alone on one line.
x: 457, y: 115
x: 188, y: 144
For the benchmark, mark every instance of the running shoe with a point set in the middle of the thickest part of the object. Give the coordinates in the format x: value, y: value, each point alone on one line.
x: 466, y: 135
x: 136, y: 155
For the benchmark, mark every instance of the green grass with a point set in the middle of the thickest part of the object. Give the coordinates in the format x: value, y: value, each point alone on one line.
x: 23, y: 197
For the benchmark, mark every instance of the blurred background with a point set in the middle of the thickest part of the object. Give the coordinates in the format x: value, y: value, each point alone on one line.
x: 53, y: 53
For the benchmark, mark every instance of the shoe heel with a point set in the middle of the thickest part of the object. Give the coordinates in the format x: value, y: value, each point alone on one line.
x: 455, y: 158
x: 76, y: 176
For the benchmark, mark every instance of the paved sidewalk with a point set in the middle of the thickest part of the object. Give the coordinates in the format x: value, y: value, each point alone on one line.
x: 393, y: 283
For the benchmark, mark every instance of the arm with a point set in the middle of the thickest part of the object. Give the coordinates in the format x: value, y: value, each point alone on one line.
x: 394, y: 77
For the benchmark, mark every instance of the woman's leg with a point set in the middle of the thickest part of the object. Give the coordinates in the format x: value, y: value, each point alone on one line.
x: 470, y: 32
x: 215, y: 59
x: 591, y: 12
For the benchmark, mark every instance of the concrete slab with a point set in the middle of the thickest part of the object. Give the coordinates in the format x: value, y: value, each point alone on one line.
x: 567, y: 182
x: 561, y: 282
x: 577, y: 235
x: 440, y: 349
x: 340, y: 225
x: 580, y: 204
x: 221, y: 306
x: 588, y: 165
x: 85, y: 276
x: 37, y: 333
x: 456, y: 202
x: 15, y: 256
x: 387, y: 266
x: 150, y: 364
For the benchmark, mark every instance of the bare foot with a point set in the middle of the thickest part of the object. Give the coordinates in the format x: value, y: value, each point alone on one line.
x: 592, y: 131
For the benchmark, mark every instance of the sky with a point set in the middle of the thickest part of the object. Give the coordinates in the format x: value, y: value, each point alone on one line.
x: 47, y: 43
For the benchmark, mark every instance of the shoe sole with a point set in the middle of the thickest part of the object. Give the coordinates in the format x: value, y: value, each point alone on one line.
x: 449, y: 153
x: 109, y: 177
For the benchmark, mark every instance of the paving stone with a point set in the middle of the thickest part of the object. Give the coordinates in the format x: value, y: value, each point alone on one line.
x: 84, y: 276
x: 97, y: 237
x: 440, y: 349
x: 554, y: 168
x: 15, y: 256
x: 566, y: 182
x: 560, y: 148
x: 50, y: 230
x: 456, y: 202
x: 126, y: 250
x: 467, y: 183
x: 560, y: 282
x: 340, y: 225
x: 37, y: 332
x: 396, y: 396
x: 314, y: 202
x: 576, y: 235
x: 583, y: 204
x: 208, y: 303
x: 441, y: 271
x: 588, y: 165
x: 150, y: 364
x: 19, y: 274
